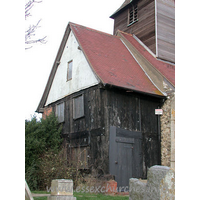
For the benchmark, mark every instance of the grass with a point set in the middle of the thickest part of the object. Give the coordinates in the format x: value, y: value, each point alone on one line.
x: 85, y: 196
x: 40, y: 192
x: 40, y: 198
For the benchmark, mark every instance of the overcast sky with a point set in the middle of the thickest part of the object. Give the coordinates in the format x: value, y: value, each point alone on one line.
x: 55, y: 16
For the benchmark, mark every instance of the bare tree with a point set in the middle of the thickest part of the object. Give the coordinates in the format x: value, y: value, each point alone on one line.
x: 30, y: 32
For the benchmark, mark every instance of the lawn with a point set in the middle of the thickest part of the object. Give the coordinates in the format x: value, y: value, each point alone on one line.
x: 40, y: 198
x: 86, y: 196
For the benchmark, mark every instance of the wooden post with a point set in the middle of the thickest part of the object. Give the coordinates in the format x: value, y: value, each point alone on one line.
x: 28, y: 195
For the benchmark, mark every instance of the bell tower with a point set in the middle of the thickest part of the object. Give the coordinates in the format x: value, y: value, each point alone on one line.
x: 152, y: 21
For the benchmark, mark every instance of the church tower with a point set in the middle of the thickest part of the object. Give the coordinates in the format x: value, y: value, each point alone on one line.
x: 152, y: 22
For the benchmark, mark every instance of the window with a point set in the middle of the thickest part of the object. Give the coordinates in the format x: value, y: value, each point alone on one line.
x: 78, y: 107
x: 69, y: 70
x: 60, y: 112
x: 133, y: 14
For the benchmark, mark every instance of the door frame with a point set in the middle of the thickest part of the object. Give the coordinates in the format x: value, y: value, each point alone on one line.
x: 124, y: 136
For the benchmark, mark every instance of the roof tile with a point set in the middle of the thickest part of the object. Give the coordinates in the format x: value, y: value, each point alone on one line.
x: 111, y: 60
x: 166, y: 69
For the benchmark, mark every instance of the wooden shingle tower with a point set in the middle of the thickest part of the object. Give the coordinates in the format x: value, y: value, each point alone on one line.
x: 152, y: 21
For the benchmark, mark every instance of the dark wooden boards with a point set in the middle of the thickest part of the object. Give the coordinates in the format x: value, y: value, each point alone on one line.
x: 133, y: 115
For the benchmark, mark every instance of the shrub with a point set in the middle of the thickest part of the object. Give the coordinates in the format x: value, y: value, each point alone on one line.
x: 55, y: 166
x: 45, y: 158
x: 40, y: 137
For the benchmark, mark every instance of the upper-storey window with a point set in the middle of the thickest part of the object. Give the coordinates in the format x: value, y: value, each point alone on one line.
x: 69, y: 70
x: 133, y: 14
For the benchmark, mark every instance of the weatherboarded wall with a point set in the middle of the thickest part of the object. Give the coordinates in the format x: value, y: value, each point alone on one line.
x: 165, y: 29
x: 144, y: 28
x: 155, y: 26
x: 136, y: 112
x: 105, y: 107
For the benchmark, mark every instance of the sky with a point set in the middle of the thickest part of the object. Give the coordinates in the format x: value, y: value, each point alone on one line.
x: 55, y: 16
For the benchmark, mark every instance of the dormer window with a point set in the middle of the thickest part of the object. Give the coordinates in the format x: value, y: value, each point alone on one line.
x: 133, y: 14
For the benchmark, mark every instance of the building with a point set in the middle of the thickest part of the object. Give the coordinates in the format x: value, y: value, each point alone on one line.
x: 105, y: 89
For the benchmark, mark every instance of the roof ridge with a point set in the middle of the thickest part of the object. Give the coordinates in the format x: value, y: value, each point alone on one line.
x: 92, y: 29
x: 124, y: 32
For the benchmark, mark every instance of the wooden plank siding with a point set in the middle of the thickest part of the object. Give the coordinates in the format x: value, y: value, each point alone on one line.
x: 133, y: 112
x: 92, y: 111
x: 105, y: 107
x: 165, y: 29
x: 86, y: 135
x: 123, y: 110
x: 144, y: 28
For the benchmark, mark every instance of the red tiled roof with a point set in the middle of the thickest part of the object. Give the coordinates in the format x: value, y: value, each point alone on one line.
x: 166, y: 69
x: 111, y: 61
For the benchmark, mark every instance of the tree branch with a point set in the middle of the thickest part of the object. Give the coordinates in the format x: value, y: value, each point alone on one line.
x: 28, y: 7
x: 30, y: 33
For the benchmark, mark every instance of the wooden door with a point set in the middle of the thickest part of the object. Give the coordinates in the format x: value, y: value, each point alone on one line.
x: 125, y: 156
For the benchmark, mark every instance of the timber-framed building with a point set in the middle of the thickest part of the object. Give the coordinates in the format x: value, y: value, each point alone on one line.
x: 105, y: 89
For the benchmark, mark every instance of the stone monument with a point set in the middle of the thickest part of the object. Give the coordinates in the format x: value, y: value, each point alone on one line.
x: 160, y: 185
x: 61, y: 189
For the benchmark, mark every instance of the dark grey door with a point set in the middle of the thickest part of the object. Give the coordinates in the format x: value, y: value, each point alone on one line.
x: 124, y: 163
x: 125, y: 158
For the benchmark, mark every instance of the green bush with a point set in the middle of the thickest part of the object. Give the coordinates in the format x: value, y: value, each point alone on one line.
x: 40, y: 137
x: 55, y: 166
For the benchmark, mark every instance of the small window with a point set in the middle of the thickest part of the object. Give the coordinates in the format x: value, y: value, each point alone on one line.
x: 133, y: 14
x: 69, y: 70
x: 78, y: 107
x: 60, y: 112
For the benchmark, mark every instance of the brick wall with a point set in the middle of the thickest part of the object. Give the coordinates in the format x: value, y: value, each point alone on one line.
x: 47, y: 112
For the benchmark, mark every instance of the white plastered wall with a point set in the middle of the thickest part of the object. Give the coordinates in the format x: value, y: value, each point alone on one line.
x: 82, y: 74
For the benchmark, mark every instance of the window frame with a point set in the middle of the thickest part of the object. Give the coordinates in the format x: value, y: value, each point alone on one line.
x: 77, y: 114
x: 60, y: 112
x: 69, y: 70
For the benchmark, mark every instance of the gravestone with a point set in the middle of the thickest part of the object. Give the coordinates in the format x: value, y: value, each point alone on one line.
x: 160, y: 185
x: 61, y: 189
x: 137, y: 189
